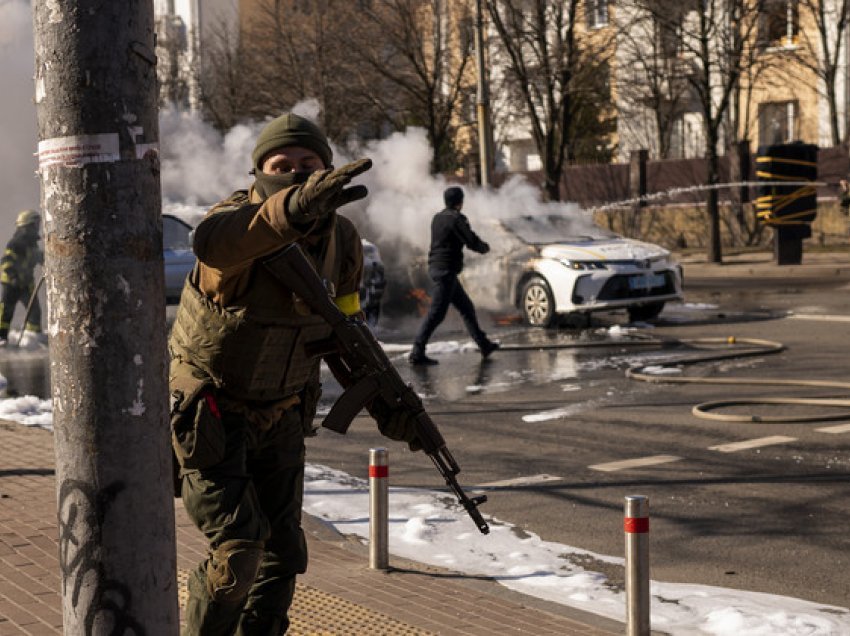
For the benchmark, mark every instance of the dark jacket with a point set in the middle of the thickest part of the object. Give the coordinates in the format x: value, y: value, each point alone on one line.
x: 450, y: 231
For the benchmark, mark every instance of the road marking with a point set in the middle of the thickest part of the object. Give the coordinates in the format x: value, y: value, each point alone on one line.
x: 822, y: 317
x: 520, y: 481
x: 841, y: 428
x: 640, y: 462
x: 752, y: 443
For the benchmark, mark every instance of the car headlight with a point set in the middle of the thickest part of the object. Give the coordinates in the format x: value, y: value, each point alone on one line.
x: 582, y: 265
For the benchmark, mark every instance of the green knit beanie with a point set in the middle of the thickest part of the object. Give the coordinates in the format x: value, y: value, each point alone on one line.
x: 291, y: 130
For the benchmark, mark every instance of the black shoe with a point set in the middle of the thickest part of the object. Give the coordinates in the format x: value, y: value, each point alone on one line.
x: 421, y: 359
x: 489, y: 347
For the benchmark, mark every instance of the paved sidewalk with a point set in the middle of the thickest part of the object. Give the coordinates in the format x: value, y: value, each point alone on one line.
x: 338, y: 596
x: 816, y: 264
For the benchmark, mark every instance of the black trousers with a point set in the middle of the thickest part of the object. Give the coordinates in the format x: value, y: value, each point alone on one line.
x: 446, y: 291
x: 9, y: 298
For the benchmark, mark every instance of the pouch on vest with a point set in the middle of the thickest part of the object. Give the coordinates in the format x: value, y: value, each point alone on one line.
x: 197, y: 432
x: 310, y: 396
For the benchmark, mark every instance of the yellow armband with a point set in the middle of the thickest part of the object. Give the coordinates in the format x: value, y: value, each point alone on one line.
x: 348, y: 304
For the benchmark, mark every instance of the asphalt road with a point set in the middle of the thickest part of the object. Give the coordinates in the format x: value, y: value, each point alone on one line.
x: 554, y: 422
x: 770, y: 516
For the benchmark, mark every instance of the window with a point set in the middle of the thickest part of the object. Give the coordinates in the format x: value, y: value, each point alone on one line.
x: 779, y: 23
x: 668, y: 34
x: 777, y: 123
x: 597, y: 13
x: 687, y: 139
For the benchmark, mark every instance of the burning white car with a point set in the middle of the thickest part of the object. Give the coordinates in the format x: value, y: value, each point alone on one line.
x: 555, y: 265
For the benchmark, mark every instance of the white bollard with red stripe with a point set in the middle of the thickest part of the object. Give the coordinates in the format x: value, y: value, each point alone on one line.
x: 636, y: 527
x: 379, y: 552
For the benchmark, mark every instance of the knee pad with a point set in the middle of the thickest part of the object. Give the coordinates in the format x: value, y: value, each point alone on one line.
x: 232, y: 568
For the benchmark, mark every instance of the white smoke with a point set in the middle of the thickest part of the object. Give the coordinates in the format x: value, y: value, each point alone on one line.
x: 18, y: 130
x: 201, y: 166
x: 404, y: 196
x: 308, y: 108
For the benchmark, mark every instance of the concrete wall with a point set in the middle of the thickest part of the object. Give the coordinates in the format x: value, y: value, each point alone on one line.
x: 679, y: 227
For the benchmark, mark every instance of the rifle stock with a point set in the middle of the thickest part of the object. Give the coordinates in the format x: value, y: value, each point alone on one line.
x: 357, y: 360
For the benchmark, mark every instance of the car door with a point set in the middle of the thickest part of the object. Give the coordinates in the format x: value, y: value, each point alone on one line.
x: 177, y: 254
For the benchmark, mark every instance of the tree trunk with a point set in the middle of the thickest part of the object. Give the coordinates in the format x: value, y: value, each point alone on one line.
x: 712, y: 209
x: 552, y: 186
x: 96, y: 96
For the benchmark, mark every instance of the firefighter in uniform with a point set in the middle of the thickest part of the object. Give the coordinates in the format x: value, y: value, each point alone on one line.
x: 243, y: 391
x: 17, y: 268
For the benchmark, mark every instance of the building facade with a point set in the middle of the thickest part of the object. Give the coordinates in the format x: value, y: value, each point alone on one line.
x: 185, y: 31
x: 792, y: 82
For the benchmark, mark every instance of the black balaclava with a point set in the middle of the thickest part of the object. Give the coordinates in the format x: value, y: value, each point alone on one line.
x: 287, y: 130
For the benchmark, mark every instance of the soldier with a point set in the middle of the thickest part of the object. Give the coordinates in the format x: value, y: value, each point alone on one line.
x: 450, y: 232
x: 17, y: 274
x: 244, y: 391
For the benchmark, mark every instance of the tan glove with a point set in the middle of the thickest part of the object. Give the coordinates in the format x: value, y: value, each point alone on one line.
x: 325, y: 191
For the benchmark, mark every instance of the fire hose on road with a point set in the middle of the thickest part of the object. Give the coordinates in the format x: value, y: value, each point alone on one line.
x: 720, y: 349
x: 751, y: 347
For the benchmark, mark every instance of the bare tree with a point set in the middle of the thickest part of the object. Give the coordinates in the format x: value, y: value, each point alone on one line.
x: 653, y: 93
x: 225, y: 95
x: 294, y: 50
x: 823, y: 57
x: 720, y: 45
x: 558, y: 73
x: 419, y: 51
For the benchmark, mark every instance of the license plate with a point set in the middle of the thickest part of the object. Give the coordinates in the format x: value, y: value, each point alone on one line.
x: 646, y: 281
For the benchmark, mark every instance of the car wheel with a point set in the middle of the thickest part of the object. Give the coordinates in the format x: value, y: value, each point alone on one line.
x: 537, y: 303
x: 645, y: 312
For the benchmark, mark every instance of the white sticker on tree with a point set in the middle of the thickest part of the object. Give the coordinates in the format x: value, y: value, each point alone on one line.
x: 78, y: 150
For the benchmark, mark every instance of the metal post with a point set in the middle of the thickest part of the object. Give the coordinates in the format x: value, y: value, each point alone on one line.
x: 379, y: 555
x: 636, y: 527
x: 485, y: 144
x: 96, y: 102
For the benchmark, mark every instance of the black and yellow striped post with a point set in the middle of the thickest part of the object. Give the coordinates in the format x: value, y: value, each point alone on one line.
x: 788, y: 209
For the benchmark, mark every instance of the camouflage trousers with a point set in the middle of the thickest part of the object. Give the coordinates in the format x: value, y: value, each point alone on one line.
x: 248, y: 506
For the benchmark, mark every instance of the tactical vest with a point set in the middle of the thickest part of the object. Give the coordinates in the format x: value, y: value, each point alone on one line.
x: 253, y: 351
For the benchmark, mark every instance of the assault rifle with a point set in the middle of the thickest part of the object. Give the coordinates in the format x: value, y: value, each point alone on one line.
x: 359, y: 363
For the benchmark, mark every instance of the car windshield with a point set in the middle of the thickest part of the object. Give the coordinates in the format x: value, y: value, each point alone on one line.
x: 176, y: 235
x: 555, y: 228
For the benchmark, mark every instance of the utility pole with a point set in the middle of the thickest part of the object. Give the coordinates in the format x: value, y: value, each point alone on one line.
x: 96, y: 101
x: 485, y: 143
